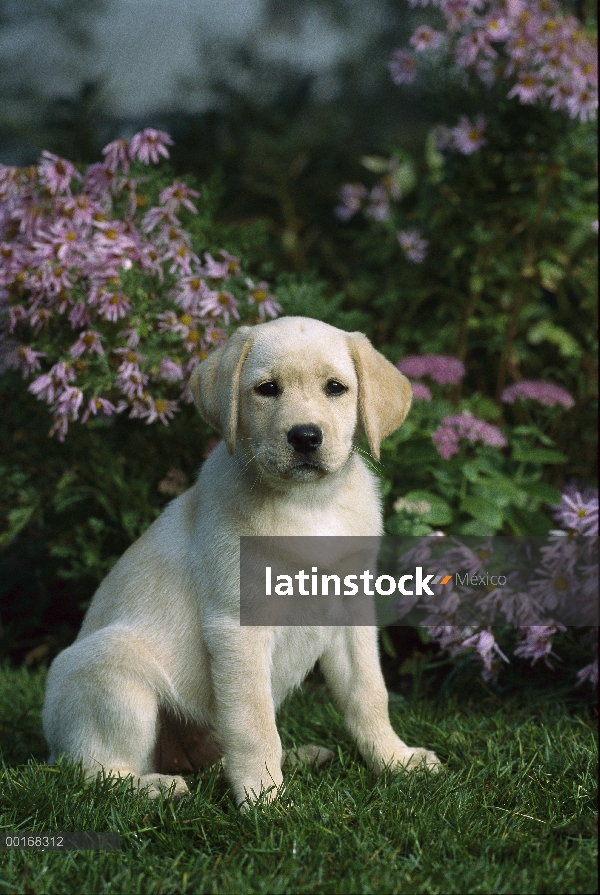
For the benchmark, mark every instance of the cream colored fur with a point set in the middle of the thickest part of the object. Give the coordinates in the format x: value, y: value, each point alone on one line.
x: 163, y: 627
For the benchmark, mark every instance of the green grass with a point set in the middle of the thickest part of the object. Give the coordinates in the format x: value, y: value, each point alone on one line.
x: 513, y: 811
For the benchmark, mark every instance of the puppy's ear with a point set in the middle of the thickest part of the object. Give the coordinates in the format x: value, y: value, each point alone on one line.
x: 215, y: 384
x: 384, y: 394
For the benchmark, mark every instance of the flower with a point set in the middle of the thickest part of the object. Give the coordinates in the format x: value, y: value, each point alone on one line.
x: 455, y: 427
x: 537, y: 642
x: 178, y: 194
x: 426, y: 38
x: 266, y: 304
x: 403, y: 67
x: 352, y: 196
x: 413, y: 245
x: 468, y: 137
x: 88, y: 341
x: 535, y: 390
x: 485, y: 644
x: 98, y: 405
x: 578, y: 511
x: 149, y: 145
x: 420, y: 392
x: 442, y: 368
x: 57, y: 173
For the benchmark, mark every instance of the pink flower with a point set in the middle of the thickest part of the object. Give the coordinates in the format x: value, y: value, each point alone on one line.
x: 468, y: 137
x: 352, y: 196
x: 69, y: 401
x: 535, y: 390
x: 169, y: 370
x: 379, y: 204
x: 455, y: 427
x: 215, y: 270
x: 403, y: 67
x: 98, y: 405
x: 266, y: 304
x: 426, y: 38
x: 87, y: 342
x: 117, y: 155
x: 113, y: 306
x: 413, y: 245
x: 485, y: 644
x: 589, y: 673
x: 420, y: 391
x: 25, y: 359
x: 578, y: 511
x: 149, y: 145
x: 178, y: 194
x: 529, y: 88
x: 537, y: 642
x: 442, y: 368
x: 57, y: 173
x: 220, y: 303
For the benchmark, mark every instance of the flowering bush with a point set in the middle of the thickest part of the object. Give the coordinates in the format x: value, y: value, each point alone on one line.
x: 101, y: 284
x: 484, y: 247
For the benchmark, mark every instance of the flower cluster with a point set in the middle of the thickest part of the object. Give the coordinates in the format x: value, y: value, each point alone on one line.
x: 563, y: 580
x: 109, y: 289
x: 442, y: 368
x: 544, y: 55
x: 535, y: 390
x: 458, y: 426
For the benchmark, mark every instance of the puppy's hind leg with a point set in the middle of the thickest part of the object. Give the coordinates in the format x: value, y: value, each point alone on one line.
x: 101, y: 709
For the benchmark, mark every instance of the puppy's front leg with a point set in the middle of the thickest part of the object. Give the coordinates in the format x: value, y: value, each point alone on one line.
x: 246, y: 729
x: 352, y: 670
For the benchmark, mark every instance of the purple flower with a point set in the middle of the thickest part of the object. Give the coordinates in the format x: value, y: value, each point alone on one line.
x: 455, y: 427
x: 413, y: 245
x: 485, y: 644
x: 537, y: 642
x: 352, y: 195
x: 98, y: 405
x: 589, y: 673
x: 149, y: 145
x: 178, y: 194
x: 535, y: 390
x: 117, y: 155
x: 426, y: 38
x: 578, y: 511
x: 442, y: 368
x: 468, y: 137
x: 403, y: 67
x: 57, y: 173
x: 25, y: 359
x: 420, y: 392
x: 87, y: 342
x: 266, y: 304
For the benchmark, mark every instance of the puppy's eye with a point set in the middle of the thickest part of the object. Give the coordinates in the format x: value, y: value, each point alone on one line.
x: 267, y: 389
x: 334, y: 387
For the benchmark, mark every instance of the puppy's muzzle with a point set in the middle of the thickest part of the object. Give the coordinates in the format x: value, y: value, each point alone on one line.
x: 305, y: 438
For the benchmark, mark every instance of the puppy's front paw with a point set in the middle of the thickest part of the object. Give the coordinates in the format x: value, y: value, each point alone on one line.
x: 156, y: 785
x: 417, y: 759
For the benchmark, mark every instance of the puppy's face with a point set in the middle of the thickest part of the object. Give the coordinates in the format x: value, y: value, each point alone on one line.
x: 298, y: 401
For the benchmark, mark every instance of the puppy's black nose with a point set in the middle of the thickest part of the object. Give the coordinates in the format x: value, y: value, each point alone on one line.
x: 305, y: 438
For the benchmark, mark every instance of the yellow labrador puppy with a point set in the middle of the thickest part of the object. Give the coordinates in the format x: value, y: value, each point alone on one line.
x: 162, y: 676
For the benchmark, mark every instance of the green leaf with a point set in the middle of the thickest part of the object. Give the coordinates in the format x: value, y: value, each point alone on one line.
x: 17, y: 520
x: 543, y: 492
x: 537, y: 455
x: 484, y: 511
x: 547, y: 331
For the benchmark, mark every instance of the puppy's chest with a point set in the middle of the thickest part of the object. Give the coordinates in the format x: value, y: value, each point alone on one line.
x: 295, y: 651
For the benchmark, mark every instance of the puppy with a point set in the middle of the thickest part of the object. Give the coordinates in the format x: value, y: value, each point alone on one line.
x: 162, y: 676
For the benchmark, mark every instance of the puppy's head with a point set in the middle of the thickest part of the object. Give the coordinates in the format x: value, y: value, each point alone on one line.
x: 292, y: 394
